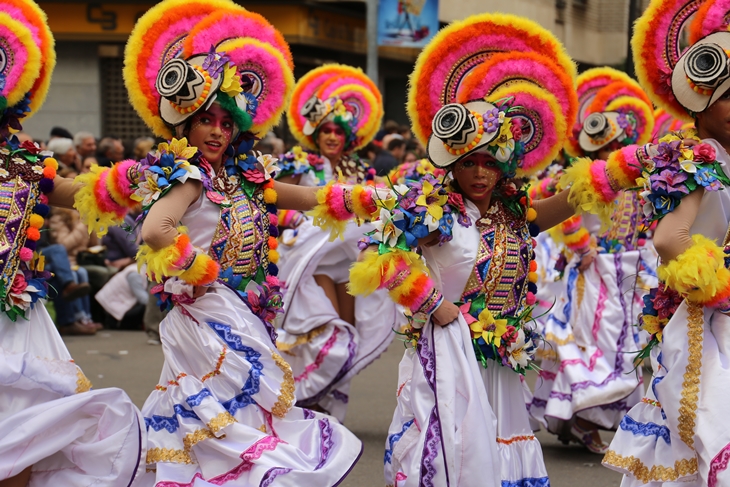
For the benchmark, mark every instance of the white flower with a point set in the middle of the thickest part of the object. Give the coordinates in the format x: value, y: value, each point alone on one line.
x: 37, y: 169
x: 518, y: 354
x: 4, y: 151
x: 385, y: 229
x: 503, y: 154
x: 688, y: 165
x: 501, y: 117
x: 147, y: 191
x: 648, y: 207
x: 401, y: 189
x: 191, y: 172
x: 234, y: 180
x: 18, y: 160
x: 267, y: 165
x: 4, y: 173
x: 431, y: 223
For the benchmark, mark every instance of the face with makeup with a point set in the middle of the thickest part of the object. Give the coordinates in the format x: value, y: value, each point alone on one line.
x: 211, y: 131
x: 331, y: 141
x: 477, y: 176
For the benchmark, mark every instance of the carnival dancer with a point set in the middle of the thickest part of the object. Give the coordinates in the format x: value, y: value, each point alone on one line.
x: 677, y: 434
x: 223, y: 412
x: 53, y: 429
x: 587, y: 381
x: 461, y: 418
x: 327, y: 335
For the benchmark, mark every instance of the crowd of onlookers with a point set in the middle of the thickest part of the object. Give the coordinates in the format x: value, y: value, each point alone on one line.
x: 96, y: 282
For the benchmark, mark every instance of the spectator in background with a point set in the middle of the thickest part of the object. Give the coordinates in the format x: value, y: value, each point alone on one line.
x: 391, y: 157
x: 142, y: 147
x: 369, y: 152
x: 65, y: 153
x: 405, y: 132
x: 60, y: 132
x: 111, y: 150
x: 265, y: 147
x: 276, y: 143
x: 85, y: 143
x: 410, y: 156
x: 87, y: 163
x: 389, y: 127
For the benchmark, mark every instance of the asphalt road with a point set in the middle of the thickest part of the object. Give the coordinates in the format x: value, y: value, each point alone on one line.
x: 123, y: 359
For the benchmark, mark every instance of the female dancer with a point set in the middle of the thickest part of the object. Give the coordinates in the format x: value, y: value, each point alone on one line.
x: 587, y: 381
x: 223, y: 410
x: 677, y: 434
x: 328, y: 336
x: 460, y: 418
x: 53, y: 429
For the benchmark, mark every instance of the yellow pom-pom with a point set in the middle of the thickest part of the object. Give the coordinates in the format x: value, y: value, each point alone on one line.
x: 532, y: 277
x: 273, y: 256
x: 270, y: 196
x: 51, y: 162
x: 36, y: 221
x: 531, y: 214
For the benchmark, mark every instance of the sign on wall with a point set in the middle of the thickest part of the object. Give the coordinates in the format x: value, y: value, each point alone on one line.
x: 407, y: 23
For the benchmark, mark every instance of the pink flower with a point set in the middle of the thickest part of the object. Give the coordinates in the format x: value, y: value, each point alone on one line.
x: 704, y: 153
x: 19, y: 284
x: 254, y: 176
x: 516, y: 129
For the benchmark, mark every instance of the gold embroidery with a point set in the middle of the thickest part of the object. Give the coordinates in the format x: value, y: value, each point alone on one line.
x: 651, y: 402
x: 196, y: 437
x: 170, y: 455
x: 580, y: 286
x: 221, y: 421
x: 306, y: 338
x: 644, y: 474
x: 691, y: 382
x: 286, y: 398
x: 549, y: 337
x: 262, y: 428
x: 218, y: 364
x: 514, y: 439
x: 82, y: 383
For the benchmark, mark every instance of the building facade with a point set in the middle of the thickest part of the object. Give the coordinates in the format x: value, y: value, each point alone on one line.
x: 87, y: 91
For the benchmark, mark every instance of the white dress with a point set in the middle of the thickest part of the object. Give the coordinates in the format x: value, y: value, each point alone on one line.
x: 457, y: 423
x: 50, y: 420
x: 678, y: 433
x: 223, y: 412
x: 588, y: 368
x: 324, y: 351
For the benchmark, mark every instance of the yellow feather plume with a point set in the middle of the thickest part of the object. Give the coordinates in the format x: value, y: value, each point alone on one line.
x: 698, y: 272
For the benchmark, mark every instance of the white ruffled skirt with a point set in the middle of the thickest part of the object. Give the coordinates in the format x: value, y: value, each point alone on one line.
x: 456, y: 423
x: 324, y: 351
x: 587, y: 366
x: 52, y: 422
x: 678, y: 434
x: 223, y: 412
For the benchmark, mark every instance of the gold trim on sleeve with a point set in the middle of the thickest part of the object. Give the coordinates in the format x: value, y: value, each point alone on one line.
x: 691, y: 382
x: 286, y: 398
x: 636, y: 467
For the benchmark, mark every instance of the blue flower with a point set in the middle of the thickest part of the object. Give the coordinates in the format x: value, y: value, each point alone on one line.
x: 663, y: 202
x: 705, y: 177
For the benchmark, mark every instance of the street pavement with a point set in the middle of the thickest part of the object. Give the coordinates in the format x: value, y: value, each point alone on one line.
x: 124, y: 359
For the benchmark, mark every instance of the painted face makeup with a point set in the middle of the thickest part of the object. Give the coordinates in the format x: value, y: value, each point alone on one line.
x: 211, y: 132
x: 477, y: 176
x: 331, y: 141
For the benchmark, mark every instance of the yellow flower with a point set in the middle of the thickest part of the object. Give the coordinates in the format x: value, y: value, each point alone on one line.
x: 179, y: 148
x: 435, y: 208
x: 654, y: 325
x: 231, y: 85
x: 686, y: 154
x: 488, y: 328
x: 505, y: 134
x: 670, y: 137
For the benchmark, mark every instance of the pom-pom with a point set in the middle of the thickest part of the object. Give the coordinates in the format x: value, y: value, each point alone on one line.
x: 273, y: 219
x: 273, y: 256
x: 534, y: 229
x: 43, y: 199
x: 270, y: 196
x: 33, y: 234
x: 31, y: 244
x: 45, y: 185
x: 531, y: 214
x: 533, y: 266
x: 26, y: 255
x: 51, y: 162
x: 274, y: 231
x: 36, y: 221
x: 49, y: 172
x: 273, y: 270
x: 530, y: 299
x: 273, y: 243
x: 532, y: 277
x: 532, y: 287
x: 42, y: 209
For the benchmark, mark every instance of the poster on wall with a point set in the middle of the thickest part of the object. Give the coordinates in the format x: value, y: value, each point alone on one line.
x: 407, y: 23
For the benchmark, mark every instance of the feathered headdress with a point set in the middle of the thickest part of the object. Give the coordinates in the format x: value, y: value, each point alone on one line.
x: 498, y: 83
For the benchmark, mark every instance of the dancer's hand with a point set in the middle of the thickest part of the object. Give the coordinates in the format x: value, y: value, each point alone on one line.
x: 445, y: 314
x: 587, y: 260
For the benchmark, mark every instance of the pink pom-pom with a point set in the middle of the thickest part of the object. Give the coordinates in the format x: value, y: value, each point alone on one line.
x: 641, y: 242
x: 273, y: 219
x: 530, y: 299
x: 272, y: 281
x: 26, y: 255
x: 44, y: 199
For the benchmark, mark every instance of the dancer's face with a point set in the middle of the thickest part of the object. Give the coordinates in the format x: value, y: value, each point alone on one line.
x: 714, y: 123
x: 477, y: 176
x: 211, y: 132
x: 331, y: 141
